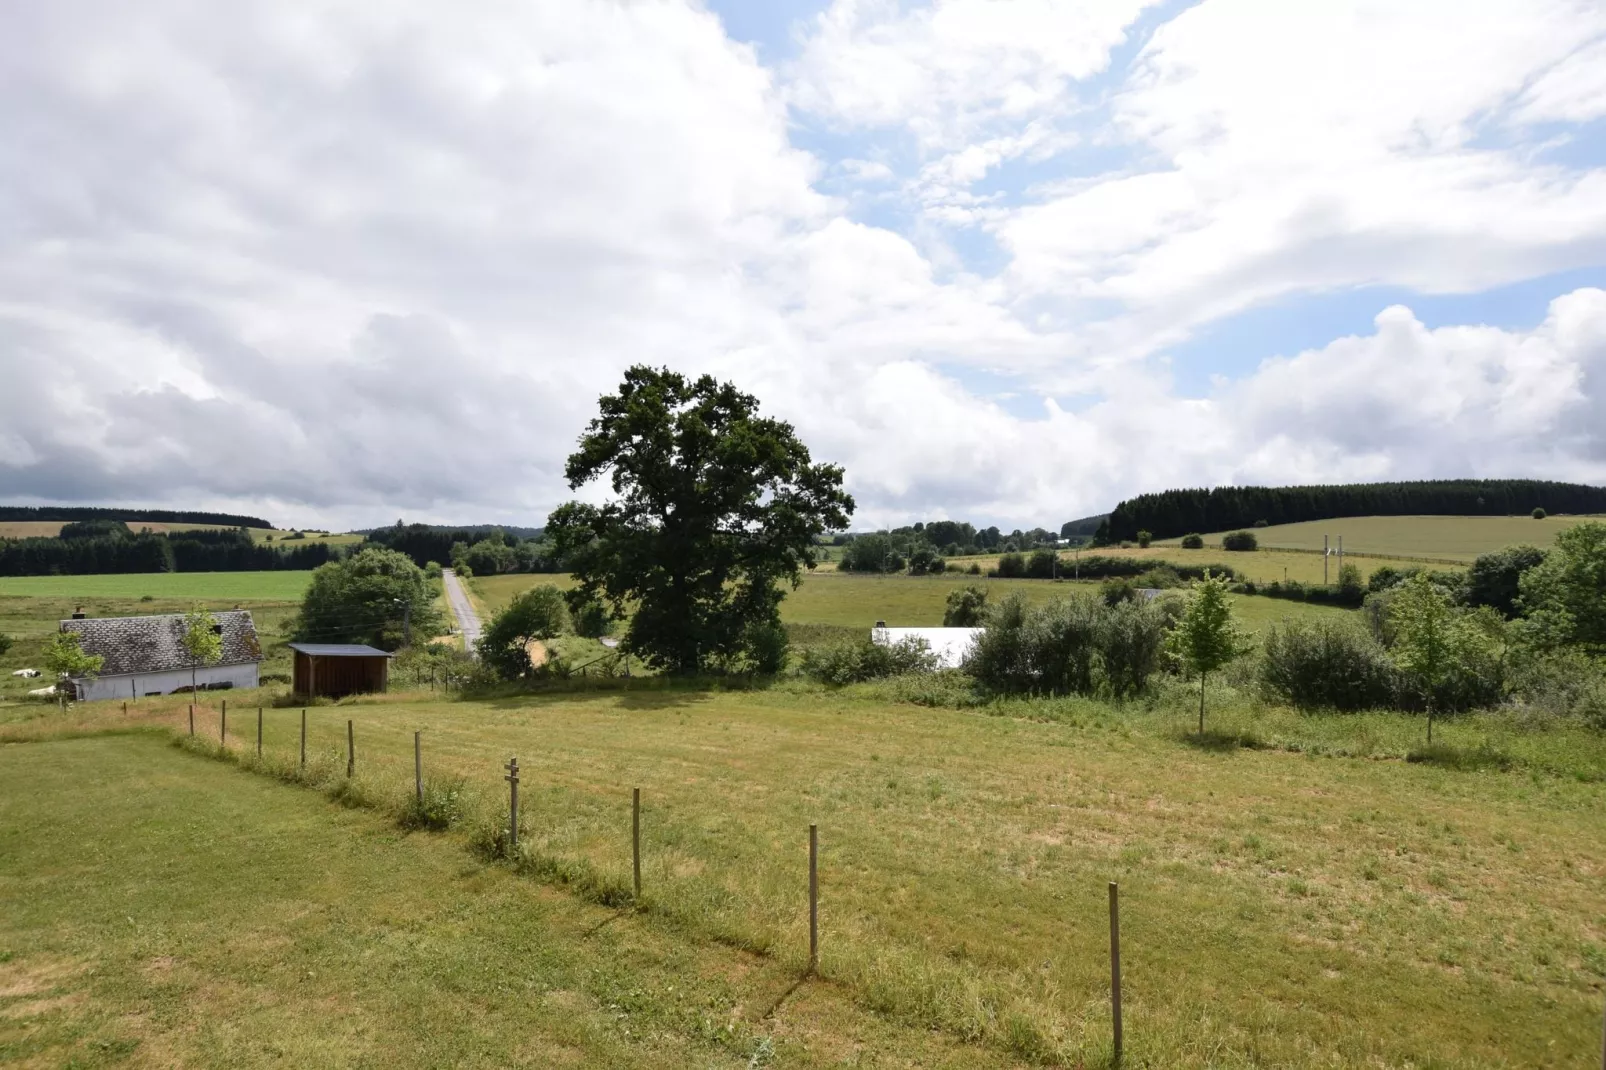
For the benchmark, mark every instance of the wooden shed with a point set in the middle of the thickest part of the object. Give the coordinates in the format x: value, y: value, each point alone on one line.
x: 338, y: 669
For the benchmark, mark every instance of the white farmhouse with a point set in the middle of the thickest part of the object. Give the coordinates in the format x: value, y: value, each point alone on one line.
x: 145, y: 655
x: 949, y: 644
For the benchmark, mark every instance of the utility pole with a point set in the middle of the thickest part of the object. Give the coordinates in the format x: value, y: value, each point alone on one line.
x: 1326, y: 550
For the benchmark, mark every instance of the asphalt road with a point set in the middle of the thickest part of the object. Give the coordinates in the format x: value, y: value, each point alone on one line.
x: 468, y: 622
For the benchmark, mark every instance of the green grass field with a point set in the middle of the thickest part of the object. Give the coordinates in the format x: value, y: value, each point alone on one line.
x: 1459, y: 538
x: 33, y: 529
x: 1279, y: 909
x: 241, y: 586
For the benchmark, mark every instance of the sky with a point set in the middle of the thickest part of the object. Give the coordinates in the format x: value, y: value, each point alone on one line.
x: 1007, y: 261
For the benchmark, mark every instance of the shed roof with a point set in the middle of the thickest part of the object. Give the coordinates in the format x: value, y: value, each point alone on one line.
x: 339, y: 650
x: 156, y: 644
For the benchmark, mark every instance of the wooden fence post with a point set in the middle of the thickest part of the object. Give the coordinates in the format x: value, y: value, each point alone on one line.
x: 351, y: 749
x: 512, y: 779
x: 259, y: 733
x: 418, y: 766
x: 1115, y: 965
x: 303, y: 739
x: 814, y: 898
x: 223, y: 725
x: 192, y: 719
x: 635, y: 839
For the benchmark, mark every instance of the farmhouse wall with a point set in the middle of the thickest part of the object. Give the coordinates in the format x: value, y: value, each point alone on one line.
x: 138, y: 685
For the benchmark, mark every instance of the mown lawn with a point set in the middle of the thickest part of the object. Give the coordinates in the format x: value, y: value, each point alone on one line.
x: 1279, y: 909
x: 157, y: 909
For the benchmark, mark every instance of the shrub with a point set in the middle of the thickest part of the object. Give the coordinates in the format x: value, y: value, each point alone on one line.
x: 1493, y: 580
x: 440, y: 809
x: 5, y: 643
x: 1561, y: 683
x: 1260, y: 524
x: 967, y: 607
x: 1011, y: 566
x: 863, y: 659
x: 1161, y: 577
x: 591, y: 618
x: 539, y: 613
x: 1193, y: 542
x: 1115, y: 591
x: 765, y: 647
x: 1075, y: 645
x: 1349, y: 580
x: 1539, y: 514
x: 1144, y: 538
x: 1326, y: 664
x: 974, y: 569
x: 1240, y: 540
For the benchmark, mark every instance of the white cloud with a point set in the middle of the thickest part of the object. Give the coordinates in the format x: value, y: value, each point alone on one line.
x: 342, y: 264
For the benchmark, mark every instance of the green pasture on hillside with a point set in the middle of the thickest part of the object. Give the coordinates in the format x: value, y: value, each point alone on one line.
x: 1278, y: 909
x: 1262, y: 566
x: 1459, y: 538
x: 239, y: 586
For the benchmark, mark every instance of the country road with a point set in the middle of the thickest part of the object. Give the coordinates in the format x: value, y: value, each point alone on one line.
x: 467, y: 620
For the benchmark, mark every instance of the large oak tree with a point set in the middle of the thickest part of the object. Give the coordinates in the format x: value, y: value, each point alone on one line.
x: 713, y: 508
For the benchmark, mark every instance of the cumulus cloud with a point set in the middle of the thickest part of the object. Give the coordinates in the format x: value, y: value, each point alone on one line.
x: 339, y: 264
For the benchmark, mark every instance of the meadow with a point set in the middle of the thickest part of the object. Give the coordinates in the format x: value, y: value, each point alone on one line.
x: 1306, y: 900
x: 1455, y: 538
x: 1262, y: 566
x: 49, y: 529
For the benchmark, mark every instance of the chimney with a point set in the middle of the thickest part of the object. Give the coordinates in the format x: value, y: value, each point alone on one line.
x: 78, y: 613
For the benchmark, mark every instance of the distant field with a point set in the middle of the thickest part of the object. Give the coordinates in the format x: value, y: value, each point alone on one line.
x: 33, y: 529
x: 1262, y: 566
x: 253, y: 586
x: 1458, y: 537
x: 857, y: 600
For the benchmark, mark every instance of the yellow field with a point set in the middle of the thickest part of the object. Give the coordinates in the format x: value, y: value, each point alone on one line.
x: 1460, y: 538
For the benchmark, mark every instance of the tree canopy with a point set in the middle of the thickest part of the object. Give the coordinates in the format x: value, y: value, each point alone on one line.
x: 1565, y: 594
x: 365, y: 599
x: 713, y: 508
x: 1207, y: 638
x: 536, y: 614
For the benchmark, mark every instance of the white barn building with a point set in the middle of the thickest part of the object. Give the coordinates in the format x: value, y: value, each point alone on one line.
x: 949, y: 644
x: 145, y: 655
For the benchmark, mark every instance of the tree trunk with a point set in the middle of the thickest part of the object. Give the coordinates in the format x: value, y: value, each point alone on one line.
x: 1201, y: 703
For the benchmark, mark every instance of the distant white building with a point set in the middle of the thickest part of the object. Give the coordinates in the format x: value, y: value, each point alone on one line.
x: 949, y: 644
x: 145, y: 655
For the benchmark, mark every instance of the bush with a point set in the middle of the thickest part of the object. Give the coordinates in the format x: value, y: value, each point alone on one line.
x: 1116, y: 591
x: 1193, y: 542
x: 1144, y: 538
x: 591, y: 618
x: 5, y: 643
x: 1326, y: 664
x: 967, y: 607
x: 1076, y: 645
x: 974, y: 569
x: 440, y: 809
x: 1563, y: 683
x: 539, y: 613
x: 1240, y: 541
x: 1011, y: 566
x: 1260, y: 524
x: 765, y: 647
x: 1539, y: 514
x: 1493, y: 580
x: 864, y: 659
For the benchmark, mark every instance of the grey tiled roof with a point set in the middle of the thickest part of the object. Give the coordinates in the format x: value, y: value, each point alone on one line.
x: 155, y: 644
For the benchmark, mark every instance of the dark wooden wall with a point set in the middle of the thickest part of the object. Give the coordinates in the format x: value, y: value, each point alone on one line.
x: 335, y: 677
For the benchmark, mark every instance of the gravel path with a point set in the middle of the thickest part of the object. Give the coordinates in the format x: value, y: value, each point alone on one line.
x: 467, y: 620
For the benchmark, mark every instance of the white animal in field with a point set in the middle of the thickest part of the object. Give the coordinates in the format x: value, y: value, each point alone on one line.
x: 30, y: 673
x: 51, y: 690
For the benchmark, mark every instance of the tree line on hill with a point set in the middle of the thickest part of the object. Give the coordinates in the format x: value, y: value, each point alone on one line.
x: 486, y: 551
x: 923, y: 547
x: 147, y: 516
x: 100, y: 545
x: 1177, y: 512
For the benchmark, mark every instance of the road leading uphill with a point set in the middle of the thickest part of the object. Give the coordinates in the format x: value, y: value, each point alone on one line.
x: 467, y: 620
